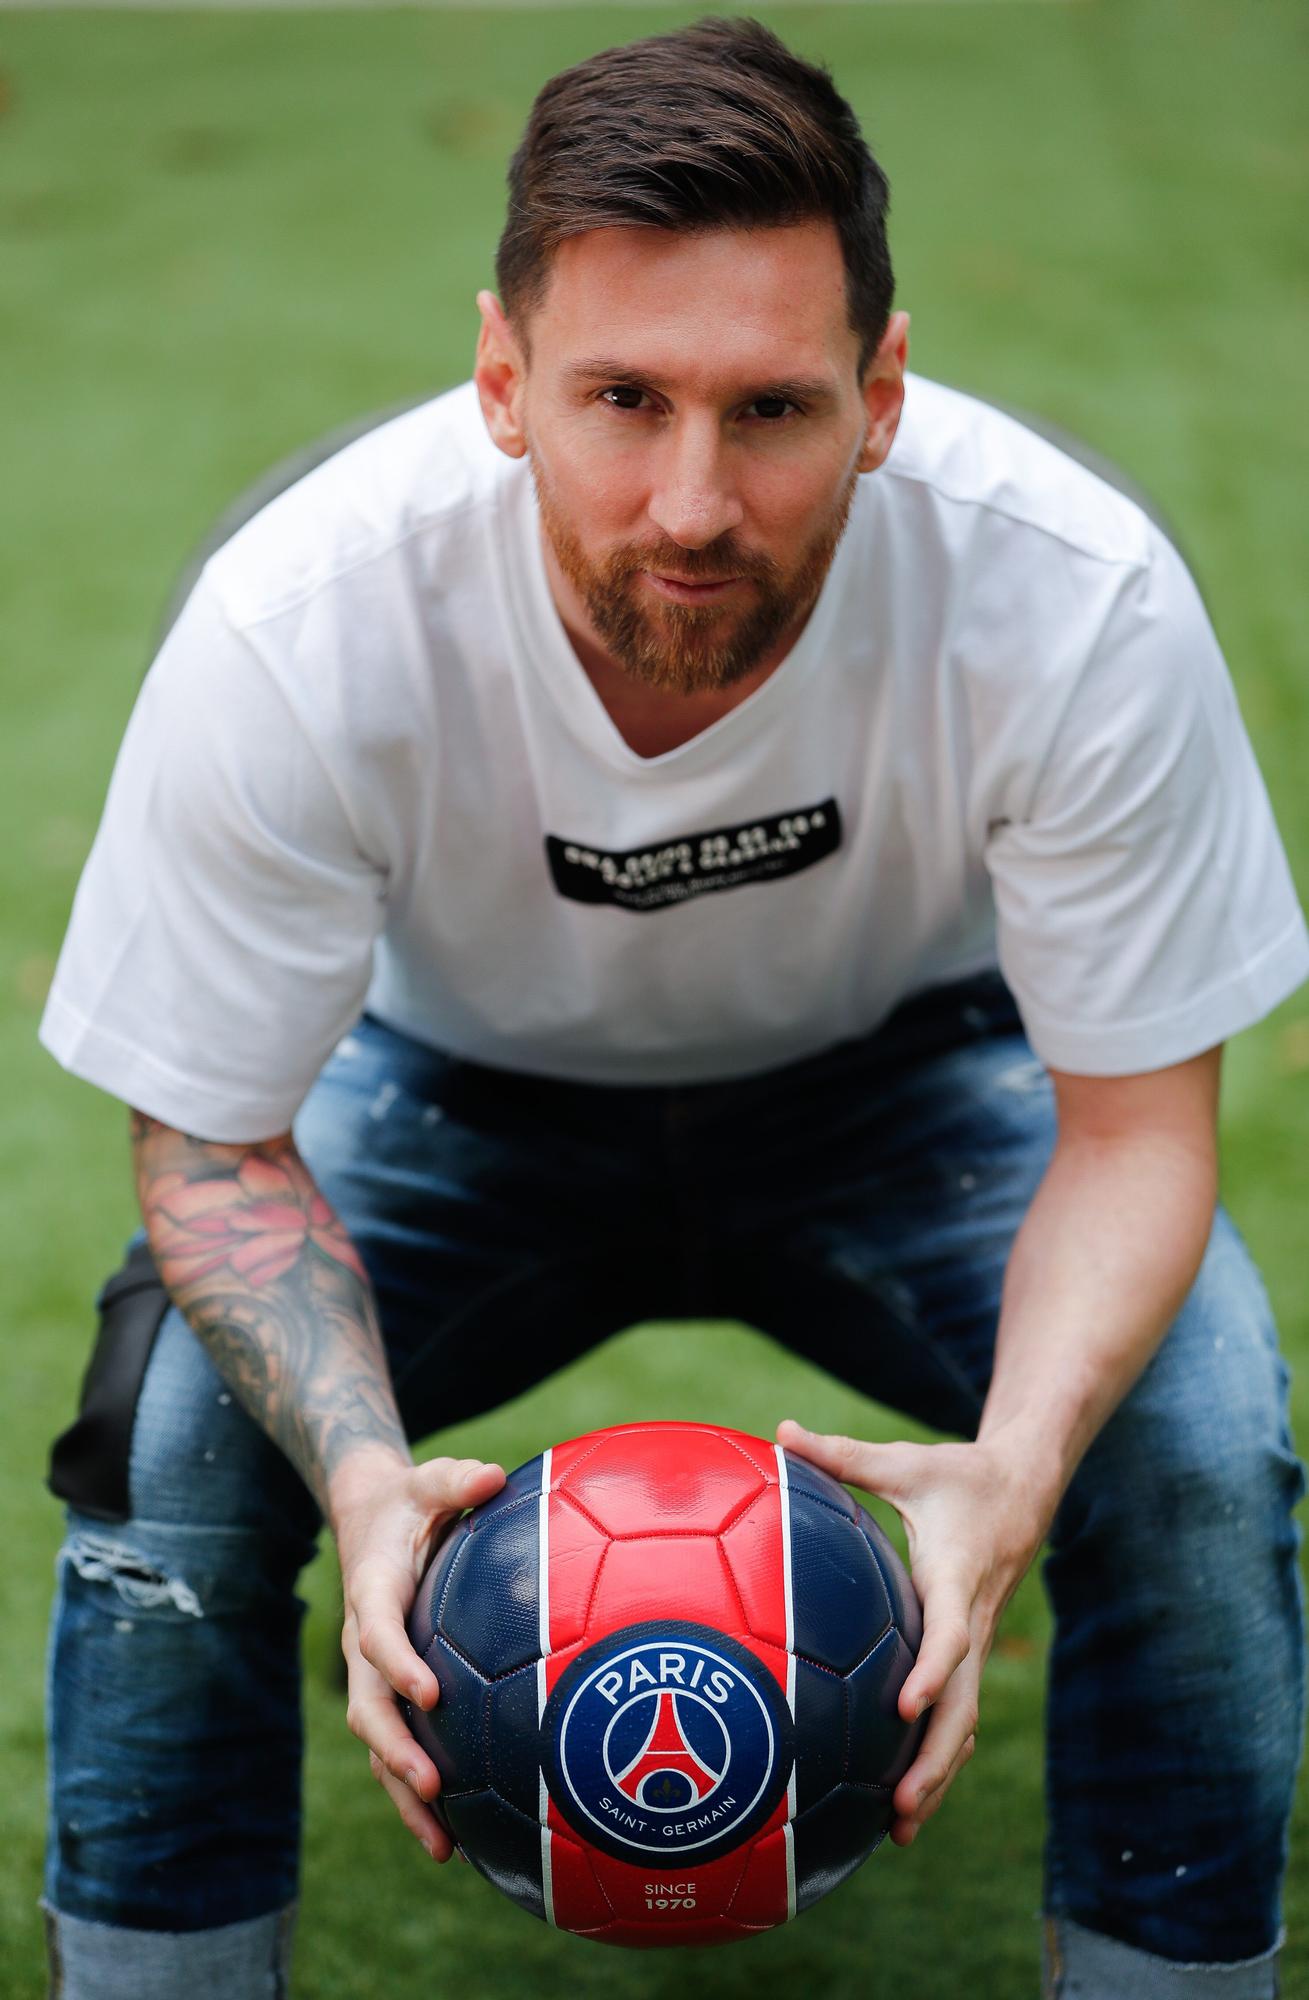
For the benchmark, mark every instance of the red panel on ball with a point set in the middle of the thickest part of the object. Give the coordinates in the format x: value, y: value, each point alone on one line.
x: 632, y: 1527
x: 753, y: 1551
x: 579, y: 1901
x: 761, y: 1899
x: 577, y: 1549
x: 633, y: 1483
x: 671, y: 1573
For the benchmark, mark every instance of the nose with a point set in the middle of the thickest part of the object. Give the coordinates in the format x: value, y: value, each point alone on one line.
x: 694, y: 500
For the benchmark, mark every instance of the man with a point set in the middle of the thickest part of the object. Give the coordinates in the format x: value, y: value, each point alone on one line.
x: 664, y: 744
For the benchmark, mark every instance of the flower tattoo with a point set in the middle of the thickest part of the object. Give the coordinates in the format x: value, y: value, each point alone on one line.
x: 258, y: 1223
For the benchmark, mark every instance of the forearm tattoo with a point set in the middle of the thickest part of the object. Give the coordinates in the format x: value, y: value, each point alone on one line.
x: 265, y: 1272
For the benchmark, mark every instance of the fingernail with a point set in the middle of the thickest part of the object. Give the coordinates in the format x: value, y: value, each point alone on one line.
x: 923, y: 1701
x: 411, y: 1779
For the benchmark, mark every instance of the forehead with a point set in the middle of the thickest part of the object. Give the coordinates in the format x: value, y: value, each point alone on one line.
x: 759, y: 302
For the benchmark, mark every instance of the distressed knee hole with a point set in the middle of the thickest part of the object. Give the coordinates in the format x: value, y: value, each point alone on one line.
x: 139, y: 1583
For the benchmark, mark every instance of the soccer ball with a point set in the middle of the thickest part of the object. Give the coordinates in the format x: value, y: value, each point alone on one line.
x: 669, y: 1656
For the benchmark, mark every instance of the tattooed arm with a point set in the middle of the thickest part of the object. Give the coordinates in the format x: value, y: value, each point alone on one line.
x: 264, y: 1269
x: 266, y: 1274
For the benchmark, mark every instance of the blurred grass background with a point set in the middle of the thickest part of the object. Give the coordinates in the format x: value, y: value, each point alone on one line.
x: 222, y: 234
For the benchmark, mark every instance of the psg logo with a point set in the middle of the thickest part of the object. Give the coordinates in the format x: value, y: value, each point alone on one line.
x: 666, y: 1740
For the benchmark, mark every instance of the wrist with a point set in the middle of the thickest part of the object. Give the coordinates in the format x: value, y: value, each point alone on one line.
x: 357, y: 1478
x: 1032, y: 1463
x: 1043, y: 1425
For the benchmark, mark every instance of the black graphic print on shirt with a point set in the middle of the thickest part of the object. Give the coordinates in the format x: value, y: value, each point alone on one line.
x: 726, y: 857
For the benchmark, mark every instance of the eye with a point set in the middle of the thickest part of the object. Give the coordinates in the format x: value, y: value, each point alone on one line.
x: 774, y: 409
x: 623, y: 396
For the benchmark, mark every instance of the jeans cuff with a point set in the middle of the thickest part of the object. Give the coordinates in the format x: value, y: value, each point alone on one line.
x: 245, y: 1961
x: 1077, y: 1964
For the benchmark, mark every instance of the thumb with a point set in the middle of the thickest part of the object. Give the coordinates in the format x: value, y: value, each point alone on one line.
x: 451, y: 1484
x: 874, y: 1468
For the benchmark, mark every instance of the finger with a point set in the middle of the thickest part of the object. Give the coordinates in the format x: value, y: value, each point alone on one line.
x: 456, y: 1483
x: 371, y: 1715
x: 876, y: 1468
x: 936, y: 1799
x: 422, y: 1823
x: 447, y: 1486
x: 905, y: 1827
x: 946, y: 1640
x: 377, y: 1607
x: 953, y: 1722
x: 377, y: 1722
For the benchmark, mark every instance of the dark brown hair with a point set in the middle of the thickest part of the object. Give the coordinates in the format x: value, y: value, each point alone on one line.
x: 717, y: 126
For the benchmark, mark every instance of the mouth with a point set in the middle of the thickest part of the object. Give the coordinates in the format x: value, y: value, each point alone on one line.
x: 680, y: 590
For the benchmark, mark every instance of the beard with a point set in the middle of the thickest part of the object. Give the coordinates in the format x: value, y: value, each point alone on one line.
x: 691, y: 648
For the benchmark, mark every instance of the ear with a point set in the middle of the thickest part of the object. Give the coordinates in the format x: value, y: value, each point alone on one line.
x: 883, y: 391
x: 500, y: 372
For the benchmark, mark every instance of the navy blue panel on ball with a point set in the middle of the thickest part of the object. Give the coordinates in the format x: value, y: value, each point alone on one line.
x: 505, y: 1845
x: 515, y: 1763
x: 422, y: 1618
x: 489, y: 1605
x: 841, y: 1603
x: 524, y: 1479
x: 820, y: 1733
x: 455, y: 1732
x: 881, y: 1746
x: 834, y: 1837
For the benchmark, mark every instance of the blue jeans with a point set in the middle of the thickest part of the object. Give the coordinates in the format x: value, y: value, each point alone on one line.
x: 860, y: 1207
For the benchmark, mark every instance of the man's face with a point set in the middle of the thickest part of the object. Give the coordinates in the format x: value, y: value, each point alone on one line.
x: 695, y: 424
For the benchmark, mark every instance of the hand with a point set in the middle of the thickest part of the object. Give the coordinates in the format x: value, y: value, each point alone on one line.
x: 974, y: 1527
x: 386, y: 1518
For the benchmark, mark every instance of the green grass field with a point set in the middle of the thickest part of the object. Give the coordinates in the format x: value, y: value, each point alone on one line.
x: 221, y: 235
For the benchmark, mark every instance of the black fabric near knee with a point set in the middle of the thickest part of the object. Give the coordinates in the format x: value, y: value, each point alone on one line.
x: 89, y: 1461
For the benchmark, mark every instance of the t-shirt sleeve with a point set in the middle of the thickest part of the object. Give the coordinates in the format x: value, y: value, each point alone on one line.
x: 222, y: 934
x: 1144, y: 906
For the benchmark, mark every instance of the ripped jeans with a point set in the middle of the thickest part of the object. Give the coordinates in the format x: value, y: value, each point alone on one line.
x: 860, y: 1207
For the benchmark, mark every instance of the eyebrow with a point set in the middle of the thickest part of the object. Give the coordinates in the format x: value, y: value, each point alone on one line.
x: 794, y: 389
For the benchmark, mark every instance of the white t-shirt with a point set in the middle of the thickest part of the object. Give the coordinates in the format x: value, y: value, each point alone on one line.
x: 367, y: 769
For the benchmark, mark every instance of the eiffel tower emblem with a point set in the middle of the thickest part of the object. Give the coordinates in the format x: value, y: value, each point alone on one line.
x: 664, y: 1754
